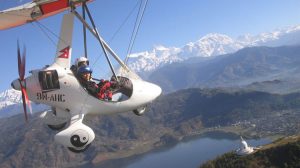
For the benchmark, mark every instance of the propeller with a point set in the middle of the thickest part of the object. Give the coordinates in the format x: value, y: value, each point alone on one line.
x: 21, y: 69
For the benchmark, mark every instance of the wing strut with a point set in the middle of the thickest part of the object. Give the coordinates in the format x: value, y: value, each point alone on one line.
x: 95, y: 32
x: 84, y: 30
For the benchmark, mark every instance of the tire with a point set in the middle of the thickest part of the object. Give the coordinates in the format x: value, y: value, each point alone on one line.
x: 57, y: 127
x: 140, y: 111
x: 79, y: 150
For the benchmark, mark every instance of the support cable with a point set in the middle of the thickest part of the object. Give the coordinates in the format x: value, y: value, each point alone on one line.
x: 136, y: 29
x: 45, y: 33
x: 119, y: 28
x: 54, y: 34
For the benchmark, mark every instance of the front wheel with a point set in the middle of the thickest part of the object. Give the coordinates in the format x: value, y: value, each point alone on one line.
x: 140, y: 111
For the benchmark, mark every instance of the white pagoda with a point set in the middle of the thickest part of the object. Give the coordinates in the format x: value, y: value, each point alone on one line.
x: 244, y: 148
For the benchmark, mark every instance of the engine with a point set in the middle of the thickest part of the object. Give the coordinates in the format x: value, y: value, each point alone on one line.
x: 77, y: 137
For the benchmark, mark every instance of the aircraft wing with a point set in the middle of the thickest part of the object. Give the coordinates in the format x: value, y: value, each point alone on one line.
x: 17, y: 16
x: 36, y: 10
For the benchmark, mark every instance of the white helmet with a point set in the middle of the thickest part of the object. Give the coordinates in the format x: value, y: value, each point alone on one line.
x: 81, y: 59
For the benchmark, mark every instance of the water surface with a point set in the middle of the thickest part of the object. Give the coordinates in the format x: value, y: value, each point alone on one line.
x: 190, y: 153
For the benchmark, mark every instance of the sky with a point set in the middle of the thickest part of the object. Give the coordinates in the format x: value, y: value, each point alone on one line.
x: 171, y: 23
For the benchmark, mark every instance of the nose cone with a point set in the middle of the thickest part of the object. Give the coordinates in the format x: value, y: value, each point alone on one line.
x: 156, y: 90
x: 16, y: 84
x: 153, y: 91
x: 144, y: 92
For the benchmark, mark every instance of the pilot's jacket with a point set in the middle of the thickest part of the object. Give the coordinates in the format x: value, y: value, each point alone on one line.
x: 101, y: 90
x: 91, y: 87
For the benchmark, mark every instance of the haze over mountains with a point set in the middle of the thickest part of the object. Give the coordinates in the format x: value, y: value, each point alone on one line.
x: 210, y: 45
x: 248, y: 65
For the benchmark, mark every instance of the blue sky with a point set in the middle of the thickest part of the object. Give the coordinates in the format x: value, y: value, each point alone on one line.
x: 166, y: 22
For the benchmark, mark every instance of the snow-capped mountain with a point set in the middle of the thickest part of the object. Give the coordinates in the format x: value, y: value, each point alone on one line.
x: 10, y: 97
x: 11, y: 103
x: 148, y: 61
x: 210, y: 45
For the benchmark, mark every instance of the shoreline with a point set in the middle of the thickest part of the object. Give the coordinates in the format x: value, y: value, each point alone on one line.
x: 127, y: 157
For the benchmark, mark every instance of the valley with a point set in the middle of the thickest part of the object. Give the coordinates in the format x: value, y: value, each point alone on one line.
x: 207, y: 73
x: 172, y: 118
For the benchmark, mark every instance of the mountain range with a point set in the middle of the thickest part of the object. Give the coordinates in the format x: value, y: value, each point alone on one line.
x: 212, y: 44
x: 205, y: 63
x: 244, y: 67
x: 273, y: 69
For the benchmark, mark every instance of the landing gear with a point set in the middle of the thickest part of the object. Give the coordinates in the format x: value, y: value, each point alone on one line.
x: 56, y: 119
x: 79, y: 150
x: 79, y: 141
x: 57, y: 127
x: 140, y: 111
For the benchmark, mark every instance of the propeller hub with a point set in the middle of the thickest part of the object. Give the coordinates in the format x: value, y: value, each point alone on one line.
x: 16, y: 84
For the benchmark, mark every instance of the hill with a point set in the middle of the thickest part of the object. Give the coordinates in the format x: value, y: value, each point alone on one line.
x: 281, y: 153
x: 168, y: 120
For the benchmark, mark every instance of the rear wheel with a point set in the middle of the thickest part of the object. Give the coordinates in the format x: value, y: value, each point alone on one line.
x: 79, y: 150
x: 57, y: 127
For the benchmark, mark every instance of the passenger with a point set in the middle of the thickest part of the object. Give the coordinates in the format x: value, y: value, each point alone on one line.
x: 105, y: 90
x: 82, y: 61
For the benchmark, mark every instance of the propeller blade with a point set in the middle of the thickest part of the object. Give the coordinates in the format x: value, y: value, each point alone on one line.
x: 24, y: 94
x: 21, y: 70
x: 21, y: 63
x: 28, y: 102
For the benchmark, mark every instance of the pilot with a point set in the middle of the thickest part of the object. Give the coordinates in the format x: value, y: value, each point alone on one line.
x: 81, y: 61
x: 84, y: 74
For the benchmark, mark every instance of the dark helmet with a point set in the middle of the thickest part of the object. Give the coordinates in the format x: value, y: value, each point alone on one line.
x: 84, y: 69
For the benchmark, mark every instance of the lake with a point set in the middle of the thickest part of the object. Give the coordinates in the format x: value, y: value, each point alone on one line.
x: 190, y: 153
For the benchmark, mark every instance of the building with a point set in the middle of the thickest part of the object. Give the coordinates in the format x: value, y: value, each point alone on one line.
x: 244, y: 148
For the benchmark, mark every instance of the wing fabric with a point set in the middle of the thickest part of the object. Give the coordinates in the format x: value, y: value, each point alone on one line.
x: 36, y: 10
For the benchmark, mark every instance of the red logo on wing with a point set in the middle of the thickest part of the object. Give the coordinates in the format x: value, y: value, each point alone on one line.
x: 65, y: 53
